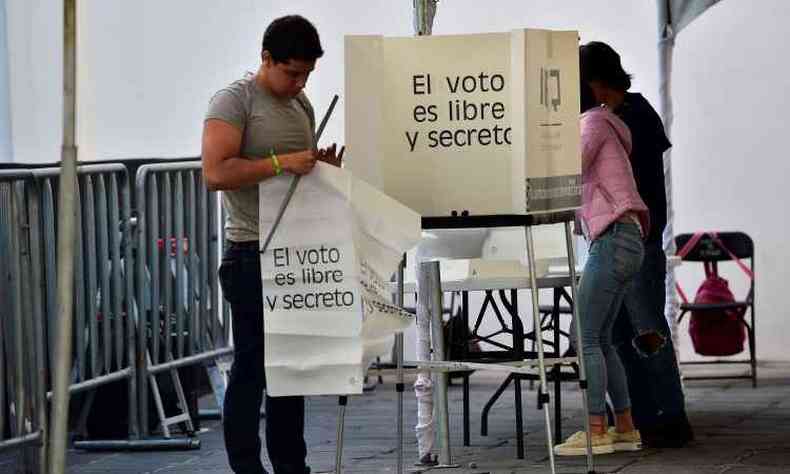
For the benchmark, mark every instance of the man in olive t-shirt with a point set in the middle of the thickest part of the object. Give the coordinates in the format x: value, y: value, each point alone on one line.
x: 258, y: 128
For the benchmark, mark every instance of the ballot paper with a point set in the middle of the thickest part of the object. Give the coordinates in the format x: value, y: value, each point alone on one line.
x: 326, y: 280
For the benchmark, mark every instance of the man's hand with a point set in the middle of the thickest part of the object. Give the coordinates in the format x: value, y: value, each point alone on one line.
x: 331, y: 156
x: 301, y: 162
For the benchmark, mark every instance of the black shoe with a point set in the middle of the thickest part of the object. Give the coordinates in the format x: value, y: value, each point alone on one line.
x: 306, y: 471
x: 672, y: 434
x: 429, y: 460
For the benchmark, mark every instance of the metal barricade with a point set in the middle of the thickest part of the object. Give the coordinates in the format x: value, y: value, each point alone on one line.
x: 104, y: 327
x: 23, y: 422
x: 146, y: 296
x: 182, y: 320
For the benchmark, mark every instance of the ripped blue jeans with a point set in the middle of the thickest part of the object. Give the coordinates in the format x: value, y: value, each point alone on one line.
x: 644, y: 344
x: 614, y: 259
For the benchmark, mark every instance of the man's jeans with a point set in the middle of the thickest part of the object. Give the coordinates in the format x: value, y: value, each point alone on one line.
x: 644, y: 343
x: 240, y: 277
x: 614, y: 258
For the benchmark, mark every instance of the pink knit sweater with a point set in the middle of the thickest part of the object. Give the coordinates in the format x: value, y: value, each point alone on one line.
x: 609, y: 188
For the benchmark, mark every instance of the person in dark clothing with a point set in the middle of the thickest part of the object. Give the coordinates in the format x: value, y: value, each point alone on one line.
x: 641, y: 332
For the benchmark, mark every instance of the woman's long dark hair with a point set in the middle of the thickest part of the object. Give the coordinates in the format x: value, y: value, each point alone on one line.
x: 586, y: 96
x: 599, y: 62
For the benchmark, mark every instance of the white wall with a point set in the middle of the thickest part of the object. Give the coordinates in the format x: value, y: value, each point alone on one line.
x: 6, y: 149
x: 35, y: 63
x: 148, y: 68
x: 732, y: 93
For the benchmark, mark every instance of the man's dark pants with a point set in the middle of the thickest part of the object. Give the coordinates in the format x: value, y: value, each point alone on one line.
x: 645, y: 346
x: 240, y: 277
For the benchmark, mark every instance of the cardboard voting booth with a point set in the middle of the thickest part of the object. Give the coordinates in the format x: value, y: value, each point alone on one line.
x: 487, y: 123
x: 326, y: 273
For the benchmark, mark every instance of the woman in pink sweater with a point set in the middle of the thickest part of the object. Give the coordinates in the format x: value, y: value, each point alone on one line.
x: 614, y: 220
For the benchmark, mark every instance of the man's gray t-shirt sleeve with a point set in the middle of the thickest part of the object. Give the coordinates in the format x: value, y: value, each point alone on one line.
x: 228, y: 107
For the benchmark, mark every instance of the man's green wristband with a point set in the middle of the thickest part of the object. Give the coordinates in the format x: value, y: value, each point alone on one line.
x: 278, y: 170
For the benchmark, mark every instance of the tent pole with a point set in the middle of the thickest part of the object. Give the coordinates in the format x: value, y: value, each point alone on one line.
x: 66, y: 228
x: 666, y: 46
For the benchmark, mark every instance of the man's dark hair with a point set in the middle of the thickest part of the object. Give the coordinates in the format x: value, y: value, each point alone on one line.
x: 292, y: 37
x: 599, y: 62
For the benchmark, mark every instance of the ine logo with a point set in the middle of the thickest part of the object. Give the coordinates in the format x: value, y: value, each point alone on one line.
x: 550, y: 97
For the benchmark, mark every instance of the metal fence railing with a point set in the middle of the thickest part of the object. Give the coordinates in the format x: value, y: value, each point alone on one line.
x: 182, y: 320
x: 146, y: 296
x: 104, y: 330
x: 23, y: 422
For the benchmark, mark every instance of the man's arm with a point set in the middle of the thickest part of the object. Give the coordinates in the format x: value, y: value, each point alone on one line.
x: 224, y: 169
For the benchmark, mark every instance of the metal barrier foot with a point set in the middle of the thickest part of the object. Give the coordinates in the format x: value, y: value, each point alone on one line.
x: 152, y: 444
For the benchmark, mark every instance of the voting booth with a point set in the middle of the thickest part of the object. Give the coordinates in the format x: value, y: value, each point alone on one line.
x: 484, y: 123
x: 471, y: 131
